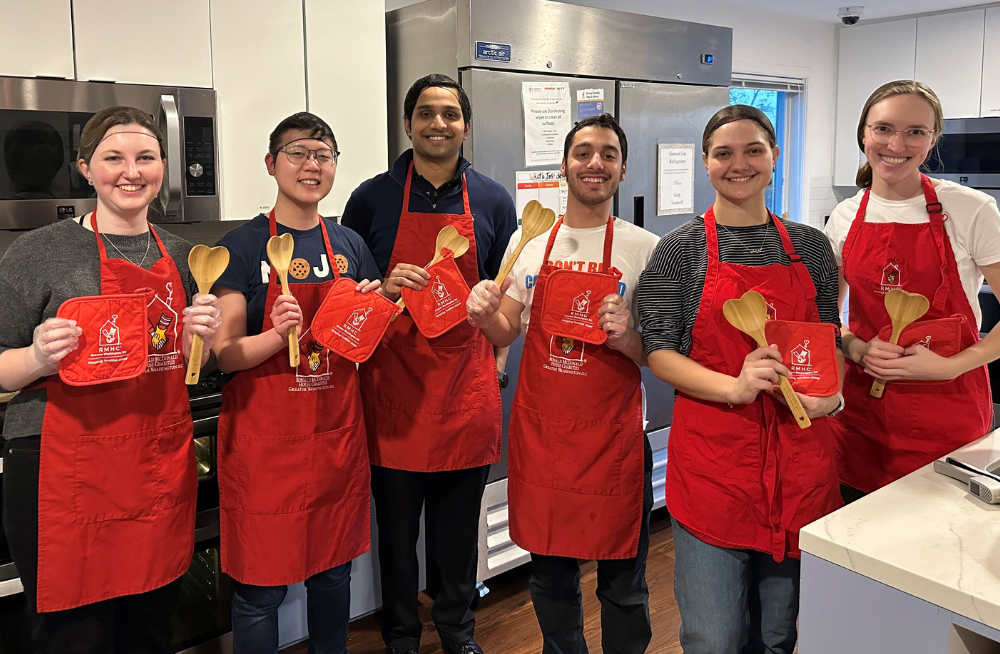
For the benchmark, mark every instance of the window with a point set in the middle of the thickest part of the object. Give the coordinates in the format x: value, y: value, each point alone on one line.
x: 781, y: 101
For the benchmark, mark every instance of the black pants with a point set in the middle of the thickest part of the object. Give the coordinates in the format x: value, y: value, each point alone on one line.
x: 451, y: 501
x: 134, y: 624
x: 621, y: 589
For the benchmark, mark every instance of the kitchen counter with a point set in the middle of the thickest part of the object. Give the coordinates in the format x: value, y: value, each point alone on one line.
x: 921, y: 545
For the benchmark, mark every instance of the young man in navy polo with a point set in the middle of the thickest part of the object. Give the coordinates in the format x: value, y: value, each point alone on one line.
x: 432, y: 405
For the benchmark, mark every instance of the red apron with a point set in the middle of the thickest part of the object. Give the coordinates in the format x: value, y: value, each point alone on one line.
x: 575, y: 441
x: 432, y: 404
x: 293, y: 464
x: 117, y: 479
x: 746, y: 476
x: 880, y: 440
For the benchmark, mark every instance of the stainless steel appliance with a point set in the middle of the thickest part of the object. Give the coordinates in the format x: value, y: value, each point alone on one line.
x: 40, y: 125
x: 968, y: 152
x: 663, y: 79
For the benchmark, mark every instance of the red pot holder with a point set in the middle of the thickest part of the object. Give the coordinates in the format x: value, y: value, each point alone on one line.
x: 441, y: 305
x: 352, y: 323
x: 571, y: 301
x: 114, y: 343
x: 942, y: 336
x: 809, y: 351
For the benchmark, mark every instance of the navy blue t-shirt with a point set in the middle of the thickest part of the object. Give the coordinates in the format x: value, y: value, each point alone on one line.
x: 374, y: 208
x: 249, y: 268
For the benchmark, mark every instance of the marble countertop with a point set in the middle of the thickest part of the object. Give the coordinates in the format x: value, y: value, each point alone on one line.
x: 924, y: 535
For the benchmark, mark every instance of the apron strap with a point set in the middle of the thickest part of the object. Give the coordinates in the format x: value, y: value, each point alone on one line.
x: 408, y: 184
x: 609, y: 236
x: 852, y: 233
x: 272, y: 224
x: 935, y: 215
x: 805, y: 279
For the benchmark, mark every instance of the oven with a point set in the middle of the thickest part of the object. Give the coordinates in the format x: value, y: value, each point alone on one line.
x: 201, y: 621
x: 40, y: 125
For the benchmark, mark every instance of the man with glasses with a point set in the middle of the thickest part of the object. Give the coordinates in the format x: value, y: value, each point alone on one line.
x: 293, y: 471
x: 432, y: 405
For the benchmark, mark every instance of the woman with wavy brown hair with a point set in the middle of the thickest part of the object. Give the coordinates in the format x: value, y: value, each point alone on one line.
x: 904, y: 230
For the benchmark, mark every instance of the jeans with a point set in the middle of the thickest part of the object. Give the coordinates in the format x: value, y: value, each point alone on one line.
x: 733, y: 601
x: 621, y: 589
x: 328, y: 610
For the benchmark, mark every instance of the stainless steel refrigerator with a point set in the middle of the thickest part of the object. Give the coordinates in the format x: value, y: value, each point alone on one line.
x: 663, y: 79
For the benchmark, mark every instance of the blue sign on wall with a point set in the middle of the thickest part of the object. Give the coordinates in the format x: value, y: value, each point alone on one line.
x: 489, y: 51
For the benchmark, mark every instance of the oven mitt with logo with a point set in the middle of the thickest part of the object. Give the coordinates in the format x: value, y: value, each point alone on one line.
x: 809, y: 351
x: 571, y: 301
x: 441, y: 304
x: 942, y: 336
x: 114, y: 343
x: 352, y: 323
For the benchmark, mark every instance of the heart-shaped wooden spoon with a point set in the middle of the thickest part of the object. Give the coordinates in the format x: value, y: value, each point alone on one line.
x: 206, y: 265
x: 279, y: 251
x: 535, y: 221
x: 748, y: 314
x: 903, y: 309
x: 449, y: 238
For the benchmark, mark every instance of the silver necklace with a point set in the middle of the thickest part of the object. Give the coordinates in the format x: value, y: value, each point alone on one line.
x: 758, y: 250
x: 149, y: 241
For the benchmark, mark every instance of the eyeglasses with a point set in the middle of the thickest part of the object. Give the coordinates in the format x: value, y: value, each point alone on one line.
x: 883, y: 134
x: 325, y: 157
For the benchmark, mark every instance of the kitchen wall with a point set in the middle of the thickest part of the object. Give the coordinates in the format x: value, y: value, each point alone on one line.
x: 771, y: 44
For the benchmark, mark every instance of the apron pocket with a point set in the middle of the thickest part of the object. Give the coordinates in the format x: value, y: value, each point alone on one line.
x: 719, y: 442
x: 117, y: 477
x: 338, y: 465
x: 813, y: 451
x: 271, y: 475
x: 178, y: 473
x: 580, y: 456
x: 453, y: 378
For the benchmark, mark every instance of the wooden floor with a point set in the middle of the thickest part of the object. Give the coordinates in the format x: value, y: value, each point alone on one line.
x: 505, y: 620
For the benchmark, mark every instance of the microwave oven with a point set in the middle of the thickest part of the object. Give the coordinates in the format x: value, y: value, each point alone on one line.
x: 968, y: 152
x: 40, y: 125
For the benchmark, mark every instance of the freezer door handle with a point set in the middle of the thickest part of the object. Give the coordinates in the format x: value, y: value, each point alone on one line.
x: 638, y: 209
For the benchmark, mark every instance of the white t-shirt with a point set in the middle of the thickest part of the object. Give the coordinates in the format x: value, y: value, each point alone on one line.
x: 582, y: 249
x: 973, y: 227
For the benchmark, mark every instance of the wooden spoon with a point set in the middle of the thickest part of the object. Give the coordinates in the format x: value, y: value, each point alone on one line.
x: 535, y: 221
x: 279, y: 251
x: 903, y: 309
x: 748, y: 314
x: 449, y: 238
x: 206, y: 265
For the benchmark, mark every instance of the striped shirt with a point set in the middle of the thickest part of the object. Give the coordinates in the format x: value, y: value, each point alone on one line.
x: 670, y: 288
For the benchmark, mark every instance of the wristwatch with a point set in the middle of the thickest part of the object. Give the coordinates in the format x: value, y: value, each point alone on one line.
x: 840, y: 405
x: 503, y: 378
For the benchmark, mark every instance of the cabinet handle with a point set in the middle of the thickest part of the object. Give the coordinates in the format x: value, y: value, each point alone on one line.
x: 170, y: 191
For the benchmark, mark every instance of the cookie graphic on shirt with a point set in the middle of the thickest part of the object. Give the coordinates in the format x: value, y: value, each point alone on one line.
x: 299, y: 268
x: 341, y: 262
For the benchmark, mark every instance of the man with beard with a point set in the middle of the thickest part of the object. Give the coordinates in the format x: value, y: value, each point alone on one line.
x: 579, y: 467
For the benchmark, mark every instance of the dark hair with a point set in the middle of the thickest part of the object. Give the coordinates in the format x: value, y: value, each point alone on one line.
x: 99, y: 124
x: 316, y: 126
x: 432, y: 80
x: 607, y: 121
x: 888, y: 90
x: 733, y: 113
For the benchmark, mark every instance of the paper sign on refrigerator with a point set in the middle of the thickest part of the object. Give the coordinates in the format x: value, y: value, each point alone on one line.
x: 674, y: 179
x: 546, y: 121
x: 546, y: 186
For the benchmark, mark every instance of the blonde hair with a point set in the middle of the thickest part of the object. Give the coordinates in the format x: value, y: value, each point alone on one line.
x: 888, y: 90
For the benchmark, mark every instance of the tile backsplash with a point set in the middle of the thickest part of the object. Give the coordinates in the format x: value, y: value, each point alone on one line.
x: 207, y: 233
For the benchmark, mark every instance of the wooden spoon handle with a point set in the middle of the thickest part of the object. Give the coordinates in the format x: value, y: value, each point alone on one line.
x: 878, y: 388
x: 507, y: 267
x: 801, y: 418
x: 401, y: 305
x: 194, y: 361
x: 293, y: 333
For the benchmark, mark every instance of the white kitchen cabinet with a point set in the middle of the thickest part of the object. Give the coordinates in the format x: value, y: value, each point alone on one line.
x: 345, y: 46
x: 870, y: 55
x: 259, y: 69
x: 144, y: 41
x: 950, y: 60
x: 36, y: 38
x: 990, y: 104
